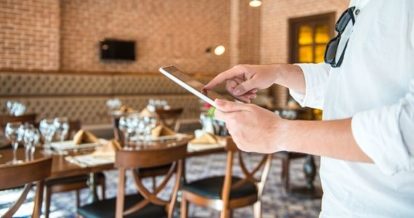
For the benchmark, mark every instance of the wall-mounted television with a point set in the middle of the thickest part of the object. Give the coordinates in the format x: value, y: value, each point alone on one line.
x: 114, y: 49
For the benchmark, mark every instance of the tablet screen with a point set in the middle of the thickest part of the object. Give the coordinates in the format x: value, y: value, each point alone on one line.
x: 192, y: 85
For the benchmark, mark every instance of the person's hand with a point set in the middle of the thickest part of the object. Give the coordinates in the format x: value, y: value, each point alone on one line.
x: 252, y: 128
x: 243, y: 81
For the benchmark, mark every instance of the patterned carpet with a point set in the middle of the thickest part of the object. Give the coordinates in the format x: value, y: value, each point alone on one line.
x: 275, y: 202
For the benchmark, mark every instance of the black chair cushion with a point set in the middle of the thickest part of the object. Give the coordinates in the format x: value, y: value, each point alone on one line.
x: 106, y: 208
x: 73, y: 179
x: 212, y: 187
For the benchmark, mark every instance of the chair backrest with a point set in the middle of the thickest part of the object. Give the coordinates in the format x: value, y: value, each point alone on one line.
x: 153, y: 157
x: 26, y: 118
x: 169, y: 117
x: 26, y: 174
x: 119, y: 136
x: 188, y: 126
x: 262, y: 166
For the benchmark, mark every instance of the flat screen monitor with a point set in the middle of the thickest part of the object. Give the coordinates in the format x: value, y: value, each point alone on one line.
x: 113, y: 49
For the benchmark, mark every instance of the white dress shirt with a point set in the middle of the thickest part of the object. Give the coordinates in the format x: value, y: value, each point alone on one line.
x: 375, y: 86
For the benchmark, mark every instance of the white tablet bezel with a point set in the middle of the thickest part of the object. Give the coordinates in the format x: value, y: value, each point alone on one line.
x: 171, y: 76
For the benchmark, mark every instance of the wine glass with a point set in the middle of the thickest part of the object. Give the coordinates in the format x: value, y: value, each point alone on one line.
x: 13, y: 133
x: 15, y: 108
x: 150, y: 123
x: 140, y: 130
x: 47, y: 128
x: 61, y: 127
x: 31, y: 138
x: 123, y: 126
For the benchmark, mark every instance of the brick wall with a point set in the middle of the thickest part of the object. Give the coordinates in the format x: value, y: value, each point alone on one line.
x: 249, y: 34
x: 166, y: 31
x: 53, y: 34
x: 274, y: 28
x: 29, y: 34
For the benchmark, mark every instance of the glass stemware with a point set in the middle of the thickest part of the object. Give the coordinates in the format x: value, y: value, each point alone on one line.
x: 47, y: 128
x: 122, y: 125
x: 31, y: 137
x: 15, y: 108
x: 150, y: 123
x: 13, y: 133
x: 140, y: 131
x: 61, y: 127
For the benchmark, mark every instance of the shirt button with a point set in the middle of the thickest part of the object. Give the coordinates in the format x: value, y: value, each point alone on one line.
x: 356, y: 11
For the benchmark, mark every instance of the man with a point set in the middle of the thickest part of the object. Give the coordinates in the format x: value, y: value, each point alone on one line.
x: 366, y: 90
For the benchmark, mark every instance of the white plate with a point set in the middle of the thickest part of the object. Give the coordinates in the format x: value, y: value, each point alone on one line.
x: 90, y: 160
x: 160, y: 138
x: 70, y: 145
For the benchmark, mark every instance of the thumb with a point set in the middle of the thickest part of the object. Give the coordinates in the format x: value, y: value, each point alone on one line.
x: 244, y: 87
x: 230, y: 106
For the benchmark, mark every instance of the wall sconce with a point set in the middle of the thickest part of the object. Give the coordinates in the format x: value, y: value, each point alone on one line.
x: 217, y: 50
x: 255, y: 3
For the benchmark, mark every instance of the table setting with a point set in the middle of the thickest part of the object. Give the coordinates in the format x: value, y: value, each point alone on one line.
x: 141, y: 129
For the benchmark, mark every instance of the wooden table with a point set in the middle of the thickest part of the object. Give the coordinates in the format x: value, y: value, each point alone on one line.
x: 63, y: 168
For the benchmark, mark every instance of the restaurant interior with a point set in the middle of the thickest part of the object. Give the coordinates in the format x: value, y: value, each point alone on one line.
x: 89, y: 127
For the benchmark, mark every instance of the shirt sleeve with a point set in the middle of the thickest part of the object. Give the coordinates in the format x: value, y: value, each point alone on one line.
x: 386, y: 134
x: 316, y: 79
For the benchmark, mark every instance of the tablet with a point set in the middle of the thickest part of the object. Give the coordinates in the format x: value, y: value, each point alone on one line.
x: 192, y: 85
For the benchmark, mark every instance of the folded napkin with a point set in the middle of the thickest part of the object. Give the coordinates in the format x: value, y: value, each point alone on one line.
x: 82, y: 137
x: 146, y: 113
x: 161, y: 130
x: 206, y: 138
x: 107, y: 149
x: 126, y: 109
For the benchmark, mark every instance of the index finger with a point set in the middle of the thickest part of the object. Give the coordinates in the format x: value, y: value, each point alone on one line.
x: 228, y: 74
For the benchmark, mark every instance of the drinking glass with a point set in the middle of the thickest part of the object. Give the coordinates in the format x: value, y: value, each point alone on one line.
x: 123, y: 126
x: 31, y: 138
x: 13, y: 133
x: 150, y: 123
x: 47, y: 128
x: 151, y: 105
x: 15, y: 108
x: 140, y: 131
x: 62, y: 127
x: 113, y: 104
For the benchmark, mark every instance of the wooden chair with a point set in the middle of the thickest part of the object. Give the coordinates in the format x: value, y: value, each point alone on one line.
x: 26, y: 118
x: 169, y: 117
x: 145, y: 203
x: 151, y: 172
x: 188, y: 126
x: 26, y: 174
x: 228, y: 192
x: 71, y: 183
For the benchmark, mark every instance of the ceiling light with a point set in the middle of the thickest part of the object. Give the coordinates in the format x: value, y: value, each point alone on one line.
x: 216, y: 50
x: 219, y: 50
x: 255, y: 3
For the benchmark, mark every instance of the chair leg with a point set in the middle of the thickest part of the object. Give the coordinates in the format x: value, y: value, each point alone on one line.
x: 285, y: 174
x: 226, y: 213
x: 154, y: 183
x: 184, y: 207
x: 48, y: 196
x: 257, y: 210
x: 77, y: 198
x: 103, y: 189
